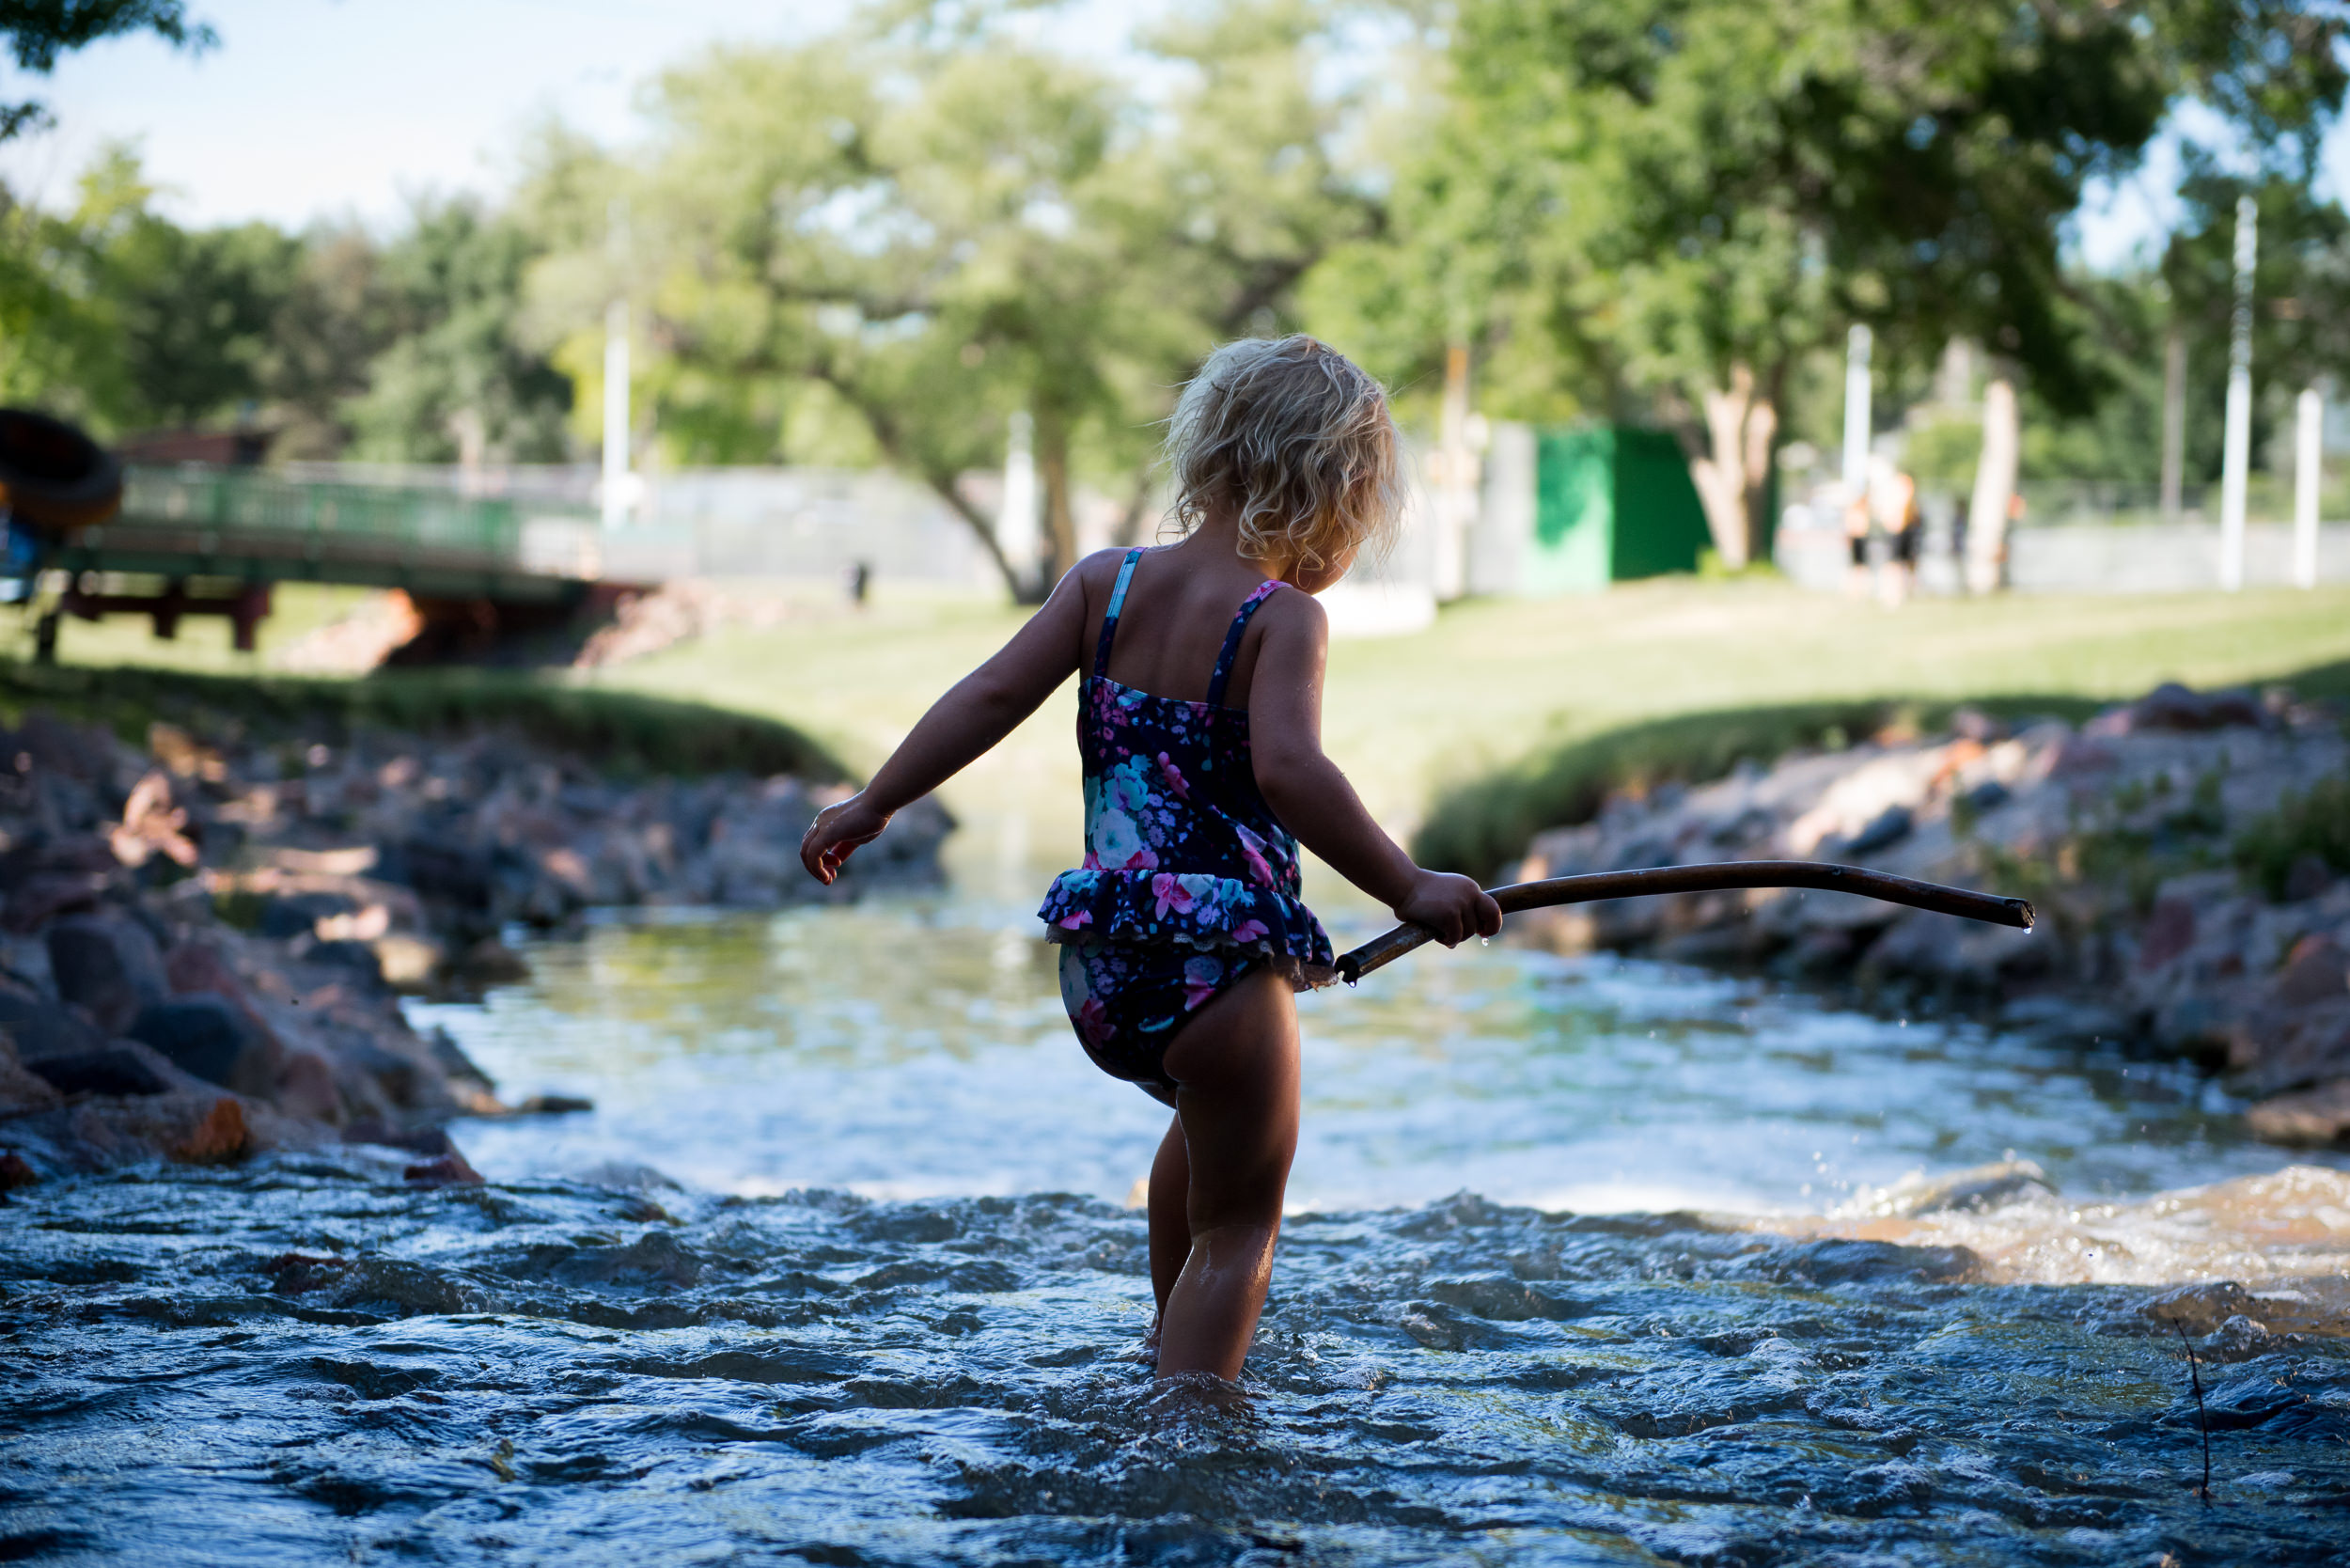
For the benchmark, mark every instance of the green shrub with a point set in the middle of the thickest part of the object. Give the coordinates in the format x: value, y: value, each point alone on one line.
x: 2315, y: 823
x: 621, y: 732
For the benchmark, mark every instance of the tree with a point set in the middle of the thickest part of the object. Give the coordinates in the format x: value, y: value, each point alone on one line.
x: 938, y: 233
x: 453, y: 381
x: 1697, y: 194
x: 39, y: 31
x: 127, y: 320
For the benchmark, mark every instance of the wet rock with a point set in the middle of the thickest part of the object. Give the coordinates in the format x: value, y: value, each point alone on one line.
x: 41, y: 1027
x: 183, y: 1126
x: 108, y: 965
x: 490, y: 961
x: 2171, y: 706
x: 443, y: 1170
x: 1840, y: 1263
x: 306, y: 1088
x: 40, y: 899
x: 15, y: 1172
x: 113, y: 1070
x: 22, y: 1090
x: 1887, y: 829
x: 289, y: 915
x: 1974, y: 1190
x: 2318, y: 970
x: 210, y: 1037
x: 2308, y: 877
x: 2312, y: 1119
x: 1989, y: 795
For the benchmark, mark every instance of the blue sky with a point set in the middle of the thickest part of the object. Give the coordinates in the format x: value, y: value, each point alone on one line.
x: 329, y: 108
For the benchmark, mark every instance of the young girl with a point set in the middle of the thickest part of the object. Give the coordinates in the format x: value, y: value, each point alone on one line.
x: 1199, y: 725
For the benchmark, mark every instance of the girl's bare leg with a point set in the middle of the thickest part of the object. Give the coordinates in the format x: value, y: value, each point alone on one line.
x: 1236, y: 1065
x: 1170, y: 1225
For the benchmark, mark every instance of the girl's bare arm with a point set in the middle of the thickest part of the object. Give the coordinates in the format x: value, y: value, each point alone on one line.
x: 1313, y: 798
x: 976, y: 711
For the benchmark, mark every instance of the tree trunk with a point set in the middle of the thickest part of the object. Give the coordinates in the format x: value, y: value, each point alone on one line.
x: 1060, y: 516
x: 1994, y: 486
x: 1130, y: 524
x: 1741, y: 428
x: 887, y: 435
x: 943, y: 486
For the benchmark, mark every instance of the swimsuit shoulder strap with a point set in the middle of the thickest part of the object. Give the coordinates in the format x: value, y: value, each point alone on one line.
x: 1232, y: 640
x: 1118, y: 603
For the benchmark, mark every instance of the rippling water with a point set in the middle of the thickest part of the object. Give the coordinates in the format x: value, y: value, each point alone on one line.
x: 840, y: 1271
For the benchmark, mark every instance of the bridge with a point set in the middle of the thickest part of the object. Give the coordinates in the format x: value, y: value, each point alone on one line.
x: 201, y: 540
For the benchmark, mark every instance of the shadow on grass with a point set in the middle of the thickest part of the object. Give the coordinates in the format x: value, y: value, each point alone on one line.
x: 1480, y: 826
x: 622, y: 731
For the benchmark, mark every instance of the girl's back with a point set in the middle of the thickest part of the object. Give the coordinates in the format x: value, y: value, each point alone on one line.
x: 1171, y: 627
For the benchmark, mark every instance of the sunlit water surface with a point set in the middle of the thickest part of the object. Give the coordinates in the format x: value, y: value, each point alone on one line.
x: 1589, y: 1261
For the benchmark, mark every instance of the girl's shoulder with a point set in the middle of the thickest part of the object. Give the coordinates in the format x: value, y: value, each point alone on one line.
x: 1292, y: 609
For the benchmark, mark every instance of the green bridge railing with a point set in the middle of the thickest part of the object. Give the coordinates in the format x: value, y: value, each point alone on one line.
x: 234, y: 502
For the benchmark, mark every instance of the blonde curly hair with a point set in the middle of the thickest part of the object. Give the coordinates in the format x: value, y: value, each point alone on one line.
x: 1298, y: 438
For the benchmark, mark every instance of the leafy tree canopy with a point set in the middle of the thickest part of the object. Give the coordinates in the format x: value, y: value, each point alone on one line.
x: 38, y: 32
x: 1672, y: 202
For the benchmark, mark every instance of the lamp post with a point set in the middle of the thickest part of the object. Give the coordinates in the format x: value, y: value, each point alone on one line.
x: 619, y: 483
x: 2309, y: 445
x: 2236, y: 455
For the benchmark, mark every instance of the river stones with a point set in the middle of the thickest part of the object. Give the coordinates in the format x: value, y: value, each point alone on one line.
x: 2181, y: 906
x: 108, y: 965
x: 211, y: 1038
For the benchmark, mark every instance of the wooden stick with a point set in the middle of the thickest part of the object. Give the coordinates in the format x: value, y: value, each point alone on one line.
x: 1520, y: 896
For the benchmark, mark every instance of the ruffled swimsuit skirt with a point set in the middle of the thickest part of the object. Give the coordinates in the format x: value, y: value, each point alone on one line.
x: 1189, y: 883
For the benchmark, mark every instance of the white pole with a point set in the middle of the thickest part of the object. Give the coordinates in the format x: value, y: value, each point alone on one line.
x: 1017, y: 530
x: 616, y: 475
x: 1857, y: 346
x: 2236, y: 455
x: 2309, y: 442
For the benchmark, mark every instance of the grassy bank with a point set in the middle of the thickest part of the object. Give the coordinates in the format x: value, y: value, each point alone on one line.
x: 628, y: 731
x: 1494, y: 686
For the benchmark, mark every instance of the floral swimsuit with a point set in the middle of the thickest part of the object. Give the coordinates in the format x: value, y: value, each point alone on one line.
x: 1189, y: 881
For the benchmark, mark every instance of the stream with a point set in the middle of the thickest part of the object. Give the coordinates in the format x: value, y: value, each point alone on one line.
x: 1589, y: 1261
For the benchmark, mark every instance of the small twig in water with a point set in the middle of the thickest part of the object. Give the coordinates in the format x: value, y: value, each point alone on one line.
x: 2203, y: 1421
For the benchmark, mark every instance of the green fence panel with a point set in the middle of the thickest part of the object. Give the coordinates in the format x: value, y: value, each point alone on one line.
x: 1611, y: 503
x: 1574, y: 511
x: 1660, y: 525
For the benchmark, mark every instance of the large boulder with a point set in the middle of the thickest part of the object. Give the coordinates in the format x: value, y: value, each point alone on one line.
x: 112, y: 1070
x: 108, y: 965
x: 41, y: 1027
x: 210, y: 1037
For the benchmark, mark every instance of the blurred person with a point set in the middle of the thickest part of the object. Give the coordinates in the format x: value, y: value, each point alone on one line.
x: 1183, y: 936
x: 1893, y: 508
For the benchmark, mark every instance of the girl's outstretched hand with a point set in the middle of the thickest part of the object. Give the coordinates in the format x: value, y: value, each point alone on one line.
x: 838, y: 832
x: 1454, y: 907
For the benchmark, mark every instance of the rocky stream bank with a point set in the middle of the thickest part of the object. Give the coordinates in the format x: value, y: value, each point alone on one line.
x: 2188, y: 854
x: 204, y: 940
